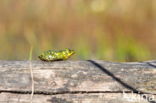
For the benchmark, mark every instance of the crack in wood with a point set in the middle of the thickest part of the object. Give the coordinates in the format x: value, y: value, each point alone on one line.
x: 66, y: 92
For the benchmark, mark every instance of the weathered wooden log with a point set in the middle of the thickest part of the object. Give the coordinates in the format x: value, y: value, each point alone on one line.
x: 91, y: 81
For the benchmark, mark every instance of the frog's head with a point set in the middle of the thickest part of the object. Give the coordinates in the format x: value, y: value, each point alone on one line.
x: 69, y: 52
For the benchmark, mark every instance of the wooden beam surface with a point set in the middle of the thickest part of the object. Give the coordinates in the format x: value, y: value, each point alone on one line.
x: 77, y: 81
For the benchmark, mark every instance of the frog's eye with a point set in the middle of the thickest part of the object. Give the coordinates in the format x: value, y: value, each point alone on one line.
x: 71, y: 51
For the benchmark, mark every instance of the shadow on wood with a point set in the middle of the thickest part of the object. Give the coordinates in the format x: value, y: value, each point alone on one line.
x: 120, y: 81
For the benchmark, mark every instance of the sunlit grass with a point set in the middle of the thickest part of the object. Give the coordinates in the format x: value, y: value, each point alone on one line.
x: 30, y: 53
x: 128, y: 49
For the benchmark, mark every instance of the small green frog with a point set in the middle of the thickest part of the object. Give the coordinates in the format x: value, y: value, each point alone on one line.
x: 52, y: 55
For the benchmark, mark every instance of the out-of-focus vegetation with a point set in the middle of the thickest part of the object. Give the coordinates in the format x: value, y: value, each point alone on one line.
x: 96, y: 29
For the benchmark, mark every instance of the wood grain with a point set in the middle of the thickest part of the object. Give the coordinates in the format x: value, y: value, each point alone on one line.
x: 90, y: 81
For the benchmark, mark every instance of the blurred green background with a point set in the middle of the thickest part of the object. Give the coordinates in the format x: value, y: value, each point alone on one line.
x: 112, y: 30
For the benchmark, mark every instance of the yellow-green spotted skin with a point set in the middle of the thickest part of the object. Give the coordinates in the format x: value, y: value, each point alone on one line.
x: 51, y: 55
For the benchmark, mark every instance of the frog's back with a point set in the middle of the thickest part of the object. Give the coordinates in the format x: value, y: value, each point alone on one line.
x: 52, y: 55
